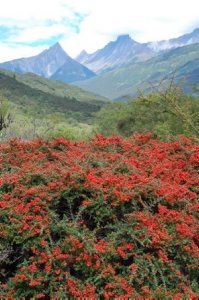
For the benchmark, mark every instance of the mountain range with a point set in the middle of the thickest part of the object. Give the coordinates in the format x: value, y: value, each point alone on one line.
x: 118, y: 69
x: 116, y: 54
x: 182, y: 62
x: 125, y: 51
x: 53, y: 63
x: 184, y: 40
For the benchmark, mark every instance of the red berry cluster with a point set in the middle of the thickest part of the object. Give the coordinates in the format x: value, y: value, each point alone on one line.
x: 109, y: 219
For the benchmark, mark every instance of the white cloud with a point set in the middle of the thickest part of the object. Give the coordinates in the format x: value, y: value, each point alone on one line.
x: 38, y: 33
x: 102, y: 21
x: 144, y: 20
x: 9, y: 53
x: 31, y: 10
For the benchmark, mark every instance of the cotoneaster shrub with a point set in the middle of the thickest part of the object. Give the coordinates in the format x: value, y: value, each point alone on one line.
x: 105, y: 219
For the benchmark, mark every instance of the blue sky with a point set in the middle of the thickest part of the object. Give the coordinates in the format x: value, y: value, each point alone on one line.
x: 29, y: 26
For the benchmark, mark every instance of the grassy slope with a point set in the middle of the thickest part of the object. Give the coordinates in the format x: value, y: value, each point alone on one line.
x: 58, y: 88
x: 33, y: 93
x: 126, y: 81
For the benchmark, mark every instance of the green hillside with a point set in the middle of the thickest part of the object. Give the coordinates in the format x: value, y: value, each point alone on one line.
x: 180, y: 62
x: 34, y: 94
x: 59, y: 88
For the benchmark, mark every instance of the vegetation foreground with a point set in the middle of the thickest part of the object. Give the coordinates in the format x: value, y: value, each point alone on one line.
x: 112, y: 218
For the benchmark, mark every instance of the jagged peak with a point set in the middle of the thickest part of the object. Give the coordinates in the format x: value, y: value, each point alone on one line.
x: 56, y: 46
x: 123, y: 37
x: 56, y: 49
x: 83, y: 52
x: 82, y: 55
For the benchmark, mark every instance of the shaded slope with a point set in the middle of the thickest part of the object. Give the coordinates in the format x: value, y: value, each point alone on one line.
x: 59, y: 88
x: 72, y: 71
x: 31, y: 99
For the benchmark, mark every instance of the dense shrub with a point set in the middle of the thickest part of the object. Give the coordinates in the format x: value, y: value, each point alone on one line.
x: 165, y: 110
x: 108, y: 219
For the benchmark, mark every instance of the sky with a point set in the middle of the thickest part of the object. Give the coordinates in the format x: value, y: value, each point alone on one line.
x: 27, y: 27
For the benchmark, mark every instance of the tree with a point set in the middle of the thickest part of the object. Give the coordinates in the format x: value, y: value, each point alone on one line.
x: 166, y: 111
x: 5, y: 115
